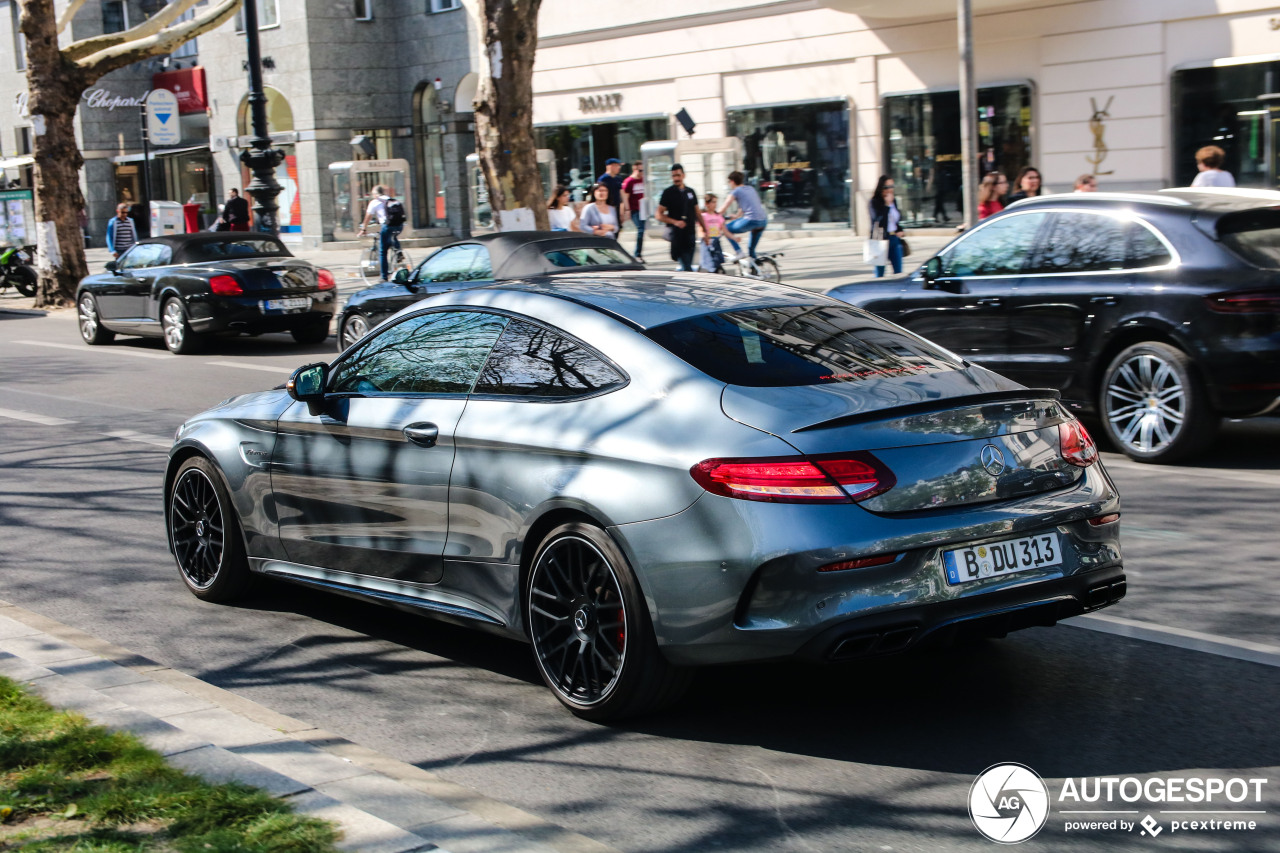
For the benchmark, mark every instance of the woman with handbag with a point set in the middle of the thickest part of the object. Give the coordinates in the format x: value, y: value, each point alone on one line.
x: 885, y: 245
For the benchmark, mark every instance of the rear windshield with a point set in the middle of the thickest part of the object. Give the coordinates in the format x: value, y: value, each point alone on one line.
x: 588, y: 257
x: 243, y: 247
x: 1253, y: 235
x: 799, y: 345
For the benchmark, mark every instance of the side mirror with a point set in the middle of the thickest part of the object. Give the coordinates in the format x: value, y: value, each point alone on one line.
x: 401, y: 276
x: 306, y: 385
x: 112, y: 266
x: 932, y: 271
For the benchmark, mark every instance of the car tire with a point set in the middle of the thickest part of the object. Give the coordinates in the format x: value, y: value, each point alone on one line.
x: 313, y: 333
x: 353, y: 328
x: 204, y: 534
x: 25, y: 279
x: 91, y: 328
x: 1154, y: 406
x: 593, y: 641
x: 178, y: 337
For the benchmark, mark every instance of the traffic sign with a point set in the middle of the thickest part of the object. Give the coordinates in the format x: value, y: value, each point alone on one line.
x: 162, y: 118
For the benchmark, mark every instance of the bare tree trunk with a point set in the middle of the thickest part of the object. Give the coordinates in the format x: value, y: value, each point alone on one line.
x: 504, y: 109
x: 54, y: 93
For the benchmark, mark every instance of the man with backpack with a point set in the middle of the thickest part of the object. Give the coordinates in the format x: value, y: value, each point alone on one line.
x: 391, y: 216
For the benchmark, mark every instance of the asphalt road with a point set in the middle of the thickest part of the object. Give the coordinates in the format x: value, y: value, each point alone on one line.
x: 875, y: 756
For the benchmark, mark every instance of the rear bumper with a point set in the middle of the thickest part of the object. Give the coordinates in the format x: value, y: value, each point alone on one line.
x: 992, y: 615
x: 245, y: 314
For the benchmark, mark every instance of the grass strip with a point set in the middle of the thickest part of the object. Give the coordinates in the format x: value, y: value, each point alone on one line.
x: 69, y: 785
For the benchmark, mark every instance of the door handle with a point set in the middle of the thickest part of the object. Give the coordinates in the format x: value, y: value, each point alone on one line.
x: 992, y: 301
x: 1104, y: 300
x: 424, y: 435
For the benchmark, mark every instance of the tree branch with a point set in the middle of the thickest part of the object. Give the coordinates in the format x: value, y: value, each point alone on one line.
x: 70, y: 12
x: 160, y: 43
x: 151, y: 26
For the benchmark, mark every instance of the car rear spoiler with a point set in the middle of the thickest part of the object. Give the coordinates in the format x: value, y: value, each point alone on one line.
x: 992, y: 398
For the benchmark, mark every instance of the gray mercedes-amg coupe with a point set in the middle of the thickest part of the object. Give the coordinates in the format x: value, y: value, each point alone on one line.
x: 639, y: 473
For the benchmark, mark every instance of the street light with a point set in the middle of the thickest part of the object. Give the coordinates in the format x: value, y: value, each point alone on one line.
x: 261, y: 159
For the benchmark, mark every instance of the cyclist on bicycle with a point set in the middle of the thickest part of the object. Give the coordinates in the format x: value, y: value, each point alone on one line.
x: 754, y: 217
x: 390, y: 214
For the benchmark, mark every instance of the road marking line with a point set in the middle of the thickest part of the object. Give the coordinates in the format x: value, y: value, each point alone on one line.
x: 250, y: 366
x: 143, y: 438
x: 1213, y: 644
x: 113, y: 350
x: 1122, y: 463
x: 33, y: 418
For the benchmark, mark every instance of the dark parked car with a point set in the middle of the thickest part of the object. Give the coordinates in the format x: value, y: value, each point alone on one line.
x: 476, y: 262
x: 1158, y: 312
x: 639, y: 473
x: 185, y: 287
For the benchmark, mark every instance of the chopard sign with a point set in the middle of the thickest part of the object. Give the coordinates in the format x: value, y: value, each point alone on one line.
x: 600, y: 103
x: 103, y: 99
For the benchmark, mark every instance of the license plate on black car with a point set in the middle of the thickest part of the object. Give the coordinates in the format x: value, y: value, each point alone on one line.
x: 291, y: 304
x: 1002, y: 558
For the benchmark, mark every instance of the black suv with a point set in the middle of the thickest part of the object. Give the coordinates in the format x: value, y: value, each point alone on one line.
x: 1158, y: 312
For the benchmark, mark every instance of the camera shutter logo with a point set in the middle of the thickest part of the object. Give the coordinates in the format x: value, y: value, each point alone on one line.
x: 1008, y: 803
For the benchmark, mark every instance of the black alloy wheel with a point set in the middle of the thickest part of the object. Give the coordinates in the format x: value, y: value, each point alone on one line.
x: 353, y: 329
x: 312, y: 333
x: 178, y: 336
x: 1154, y: 406
x: 91, y: 328
x: 204, y: 534
x: 591, y: 634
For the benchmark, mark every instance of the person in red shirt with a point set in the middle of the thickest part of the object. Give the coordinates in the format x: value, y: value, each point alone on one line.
x: 633, y: 187
x: 990, y: 192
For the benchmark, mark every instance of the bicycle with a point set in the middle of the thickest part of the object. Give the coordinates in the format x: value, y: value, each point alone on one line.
x: 763, y: 267
x: 371, y: 264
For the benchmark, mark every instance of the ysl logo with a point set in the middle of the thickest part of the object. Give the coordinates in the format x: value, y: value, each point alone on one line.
x: 1096, y: 125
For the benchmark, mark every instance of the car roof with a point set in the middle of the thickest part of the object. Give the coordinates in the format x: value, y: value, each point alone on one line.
x: 179, y: 243
x: 1199, y: 202
x: 645, y: 300
x: 519, y: 254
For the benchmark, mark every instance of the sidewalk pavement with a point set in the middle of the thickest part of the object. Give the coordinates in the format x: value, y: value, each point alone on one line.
x: 382, y: 805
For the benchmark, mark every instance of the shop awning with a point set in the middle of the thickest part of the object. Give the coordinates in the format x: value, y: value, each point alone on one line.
x: 16, y: 162
x: 157, y: 152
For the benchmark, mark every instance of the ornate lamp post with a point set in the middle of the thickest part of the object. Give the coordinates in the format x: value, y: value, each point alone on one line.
x: 261, y: 159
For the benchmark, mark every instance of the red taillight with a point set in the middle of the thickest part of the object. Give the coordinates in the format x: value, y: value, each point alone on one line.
x: 225, y: 285
x: 795, y: 479
x: 1245, y: 302
x: 862, y: 563
x: 1109, y: 518
x: 1076, y: 444
x: 325, y: 280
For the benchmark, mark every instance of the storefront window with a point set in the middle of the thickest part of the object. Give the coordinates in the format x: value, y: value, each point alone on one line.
x: 798, y: 158
x: 922, y: 147
x: 428, y: 137
x: 1221, y: 106
x: 581, y: 149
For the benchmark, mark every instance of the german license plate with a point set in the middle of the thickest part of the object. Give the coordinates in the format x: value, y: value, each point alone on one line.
x: 1002, y: 558
x: 290, y: 304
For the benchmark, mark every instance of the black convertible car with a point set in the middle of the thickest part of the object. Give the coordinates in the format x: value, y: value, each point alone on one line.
x: 184, y: 287
x: 478, y: 261
x: 1158, y: 312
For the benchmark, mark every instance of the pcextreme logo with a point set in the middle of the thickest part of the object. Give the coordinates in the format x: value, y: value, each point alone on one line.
x: 1009, y: 803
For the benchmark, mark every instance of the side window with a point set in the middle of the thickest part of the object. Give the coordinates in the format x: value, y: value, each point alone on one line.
x: 140, y: 256
x: 453, y: 264
x: 1083, y: 242
x: 438, y: 353
x: 533, y: 361
x: 162, y: 257
x: 1001, y: 247
x: 482, y: 269
x: 1145, y: 249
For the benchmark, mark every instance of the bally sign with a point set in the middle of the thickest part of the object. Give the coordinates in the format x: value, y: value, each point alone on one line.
x: 600, y: 103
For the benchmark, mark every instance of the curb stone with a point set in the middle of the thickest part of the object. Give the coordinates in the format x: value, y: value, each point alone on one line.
x: 381, y: 804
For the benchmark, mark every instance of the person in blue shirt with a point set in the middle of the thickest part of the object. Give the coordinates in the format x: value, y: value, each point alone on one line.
x: 122, y: 233
x: 754, y: 217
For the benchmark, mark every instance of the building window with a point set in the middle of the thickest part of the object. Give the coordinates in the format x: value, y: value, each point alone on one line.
x: 189, y: 49
x: 377, y: 144
x: 364, y: 10
x: 582, y: 149
x: 1230, y: 106
x: 268, y: 15
x: 922, y: 148
x: 445, y: 5
x: 115, y: 16
x: 23, y: 138
x: 797, y: 158
x: 19, y: 40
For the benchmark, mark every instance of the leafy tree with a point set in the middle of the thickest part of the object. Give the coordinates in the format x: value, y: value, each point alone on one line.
x: 57, y: 76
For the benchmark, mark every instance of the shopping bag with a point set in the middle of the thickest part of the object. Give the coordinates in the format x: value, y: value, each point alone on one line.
x: 706, y: 262
x: 875, y: 252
